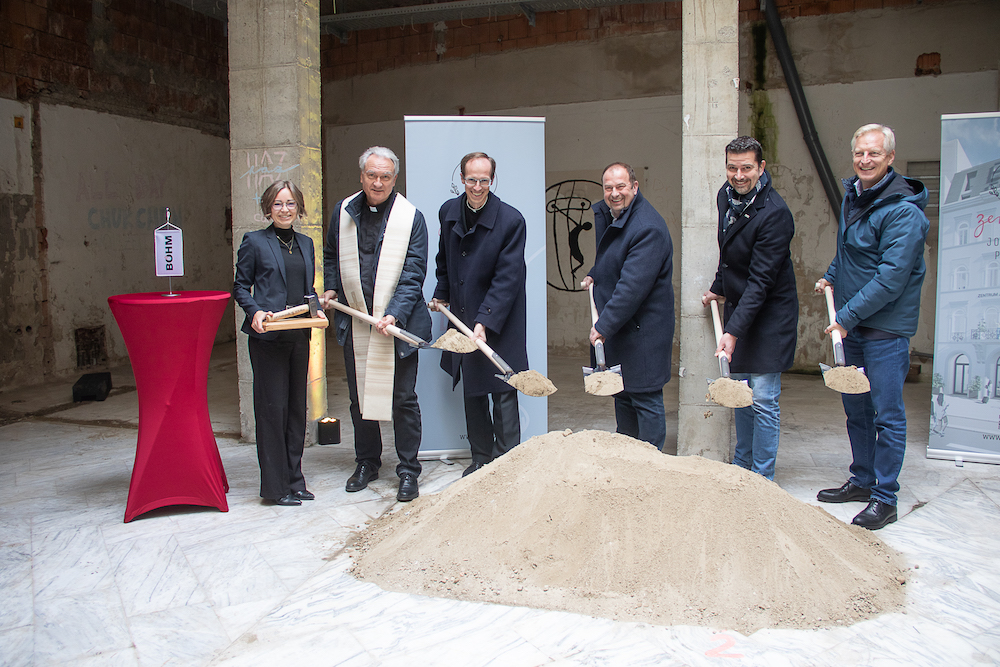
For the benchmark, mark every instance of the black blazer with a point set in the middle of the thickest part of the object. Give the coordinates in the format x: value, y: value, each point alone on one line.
x: 756, y: 276
x: 260, y: 275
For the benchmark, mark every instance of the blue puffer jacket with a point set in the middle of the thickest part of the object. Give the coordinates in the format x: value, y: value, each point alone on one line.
x: 879, y: 267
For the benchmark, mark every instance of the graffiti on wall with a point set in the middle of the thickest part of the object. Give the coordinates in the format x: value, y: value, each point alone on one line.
x: 263, y: 168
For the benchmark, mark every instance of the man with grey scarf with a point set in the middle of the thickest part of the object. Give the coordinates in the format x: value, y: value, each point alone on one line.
x: 755, y: 282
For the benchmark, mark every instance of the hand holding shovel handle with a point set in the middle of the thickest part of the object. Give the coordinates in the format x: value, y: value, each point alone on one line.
x: 838, y: 342
x: 717, y: 322
x: 602, y: 364
x: 504, y: 367
x: 401, y: 334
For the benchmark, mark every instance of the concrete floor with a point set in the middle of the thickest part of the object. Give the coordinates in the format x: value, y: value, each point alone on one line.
x: 262, y: 584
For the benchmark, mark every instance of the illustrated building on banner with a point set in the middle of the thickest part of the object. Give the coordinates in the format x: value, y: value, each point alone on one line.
x: 965, y: 402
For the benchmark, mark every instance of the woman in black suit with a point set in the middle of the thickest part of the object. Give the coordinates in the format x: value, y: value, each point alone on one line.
x: 274, y: 269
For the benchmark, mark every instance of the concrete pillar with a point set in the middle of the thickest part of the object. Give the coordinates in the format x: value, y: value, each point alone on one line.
x: 710, y: 71
x: 275, y: 123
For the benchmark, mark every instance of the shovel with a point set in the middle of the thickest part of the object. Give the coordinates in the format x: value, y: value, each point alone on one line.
x: 843, y: 378
x: 530, y: 383
x: 401, y: 334
x: 602, y: 381
x: 726, y: 391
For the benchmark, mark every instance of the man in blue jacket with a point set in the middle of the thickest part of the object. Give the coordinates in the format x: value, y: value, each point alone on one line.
x: 756, y: 283
x: 634, y: 293
x: 876, y: 278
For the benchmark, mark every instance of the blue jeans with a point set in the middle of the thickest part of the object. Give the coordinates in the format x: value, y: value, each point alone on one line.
x: 876, y: 421
x: 758, y: 425
x: 641, y: 415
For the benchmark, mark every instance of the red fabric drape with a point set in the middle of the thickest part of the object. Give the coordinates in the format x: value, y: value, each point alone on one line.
x: 169, y: 341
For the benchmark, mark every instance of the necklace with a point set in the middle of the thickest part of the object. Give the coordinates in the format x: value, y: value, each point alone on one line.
x: 289, y: 245
x: 475, y: 210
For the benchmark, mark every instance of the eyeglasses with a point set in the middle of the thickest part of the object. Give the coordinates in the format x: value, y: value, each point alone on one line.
x: 471, y: 182
x: 874, y: 155
x: 290, y: 205
x: 385, y: 175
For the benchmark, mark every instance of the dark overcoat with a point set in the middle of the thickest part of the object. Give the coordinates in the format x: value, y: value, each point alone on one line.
x: 756, y: 276
x: 407, y: 304
x: 260, y: 282
x: 481, y: 273
x: 634, y: 293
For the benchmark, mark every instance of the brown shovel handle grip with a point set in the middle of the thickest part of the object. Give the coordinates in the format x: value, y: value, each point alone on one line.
x: 290, y: 312
x: 838, y: 341
x: 717, y: 323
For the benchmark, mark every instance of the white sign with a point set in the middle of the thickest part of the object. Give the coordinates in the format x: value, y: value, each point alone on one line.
x: 434, y: 147
x: 169, y: 243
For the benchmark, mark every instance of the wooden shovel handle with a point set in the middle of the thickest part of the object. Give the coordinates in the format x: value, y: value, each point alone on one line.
x: 289, y: 312
x: 838, y: 340
x: 593, y: 305
x: 717, y: 323
x: 483, y: 347
x: 832, y: 310
x: 401, y: 334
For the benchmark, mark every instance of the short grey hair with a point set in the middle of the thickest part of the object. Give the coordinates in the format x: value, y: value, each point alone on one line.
x: 888, y: 141
x: 382, y: 152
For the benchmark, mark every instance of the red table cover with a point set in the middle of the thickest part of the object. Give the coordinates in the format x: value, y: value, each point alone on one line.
x: 169, y: 341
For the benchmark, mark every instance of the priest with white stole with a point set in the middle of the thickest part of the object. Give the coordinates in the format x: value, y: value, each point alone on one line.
x: 375, y: 260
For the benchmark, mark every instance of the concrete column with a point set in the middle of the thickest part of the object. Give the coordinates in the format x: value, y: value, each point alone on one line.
x: 275, y: 123
x: 710, y: 71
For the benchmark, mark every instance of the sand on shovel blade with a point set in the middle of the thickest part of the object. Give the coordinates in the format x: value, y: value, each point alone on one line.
x: 730, y: 393
x: 603, y: 383
x: 453, y: 341
x: 532, y: 383
x: 847, y: 380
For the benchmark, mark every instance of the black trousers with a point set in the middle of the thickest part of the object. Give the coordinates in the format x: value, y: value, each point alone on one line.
x: 405, y: 415
x: 491, y: 438
x: 280, y: 371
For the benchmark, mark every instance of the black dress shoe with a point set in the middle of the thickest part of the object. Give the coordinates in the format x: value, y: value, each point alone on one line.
x: 408, y: 489
x: 304, y: 495
x: 365, y: 473
x: 876, y: 515
x: 288, y: 501
x: 845, y: 494
x: 476, y: 465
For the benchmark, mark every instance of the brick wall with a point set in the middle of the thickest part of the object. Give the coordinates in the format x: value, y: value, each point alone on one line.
x: 147, y: 58
x: 377, y: 50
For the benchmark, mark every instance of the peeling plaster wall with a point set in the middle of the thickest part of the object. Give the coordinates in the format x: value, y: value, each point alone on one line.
x: 108, y: 180
x: 619, y: 98
x: 21, y: 349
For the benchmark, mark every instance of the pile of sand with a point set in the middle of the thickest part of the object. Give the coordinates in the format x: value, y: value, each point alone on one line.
x: 602, y: 524
x: 847, y: 380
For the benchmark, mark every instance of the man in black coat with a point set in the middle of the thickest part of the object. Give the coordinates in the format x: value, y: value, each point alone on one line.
x: 756, y: 282
x: 481, y: 274
x: 379, y: 269
x: 634, y: 293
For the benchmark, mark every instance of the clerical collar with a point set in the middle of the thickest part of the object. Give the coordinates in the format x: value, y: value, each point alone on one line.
x: 378, y: 208
x: 477, y: 210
